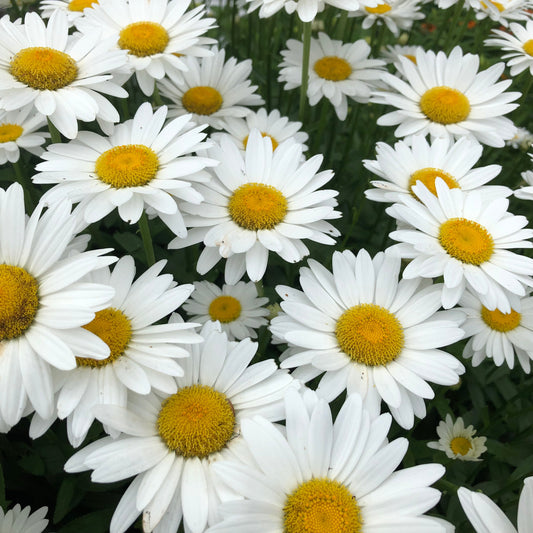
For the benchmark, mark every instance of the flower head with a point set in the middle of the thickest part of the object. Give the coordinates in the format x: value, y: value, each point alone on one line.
x: 18, y: 520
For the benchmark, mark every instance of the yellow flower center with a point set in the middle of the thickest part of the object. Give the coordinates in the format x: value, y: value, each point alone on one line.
x: 500, y: 321
x: 114, y: 328
x: 43, y: 68
x: 143, y: 39
x: 428, y: 176
x: 460, y: 445
x: 322, y: 505
x: 128, y: 165
x: 202, y: 100
x: 497, y: 5
x: 274, y: 142
x: 380, y: 9
x: 466, y: 240
x: 528, y: 47
x: 80, y: 5
x: 445, y: 105
x: 333, y: 68
x: 19, y: 301
x: 370, y: 334
x: 10, y: 132
x: 225, y: 309
x: 256, y: 206
x: 196, y: 421
x: 411, y: 57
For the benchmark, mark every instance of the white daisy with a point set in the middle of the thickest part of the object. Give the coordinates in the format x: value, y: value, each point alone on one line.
x: 486, y: 517
x: 18, y: 520
x: 525, y: 192
x: 522, y: 139
x: 73, y: 8
x: 337, y: 70
x: 369, y: 333
x: 43, y: 304
x: 155, y: 33
x: 519, y: 44
x: 502, y: 11
x: 172, y: 443
x: 143, y: 163
x: 306, y: 9
x: 212, y: 89
x: 405, y: 165
x: 466, y: 239
x: 446, y: 96
x: 457, y: 441
x: 237, y: 307
x: 258, y: 202
x: 62, y: 76
x: 392, y: 52
x: 326, y: 477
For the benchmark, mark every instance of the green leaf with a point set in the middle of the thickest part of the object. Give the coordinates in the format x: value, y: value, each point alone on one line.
x: 95, y: 522
x: 65, y: 498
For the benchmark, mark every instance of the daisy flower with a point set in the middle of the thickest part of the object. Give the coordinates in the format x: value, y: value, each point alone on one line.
x: 392, y: 52
x: 525, y: 192
x: 211, y: 89
x: 143, y: 163
x: 405, y: 165
x: 467, y: 240
x: 61, y: 76
x: 18, y: 520
x: 336, y: 71
x: 458, y: 442
x: 502, y: 11
x: 368, y: 333
x: 171, y: 443
x: 326, y: 477
x: 155, y: 34
x: 486, y: 517
x: 258, y: 202
x: 518, y: 44
x: 522, y: 139
x: 446, y: 96
x: 72, y: 8
x: 306, y: 9
x: 43, y: 304
x: 237, y: 307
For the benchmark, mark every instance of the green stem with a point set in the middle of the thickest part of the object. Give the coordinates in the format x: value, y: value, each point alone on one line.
x: 147, y: 239
x: 454, y: 23
x: 340, y: 27
x: 305, y: 68
x: 22, y: 178
x: 16, y: 8
x: 157, y: 97
x: 259, y: 288
x: 54, y: 132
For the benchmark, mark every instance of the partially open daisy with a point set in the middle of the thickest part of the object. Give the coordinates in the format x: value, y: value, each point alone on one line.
x: 392, y: 53
x: 458, y: 442
x: 18, y: 520
x: 61, y: 76
x: 446, y: 96
x: 368, y: 333
x: 258, y: 202
x: 518, y: 44
x: 72, y: 8
x: 522, y: 139
x: 502, y: 11
x: 156, y: 34
x: 211, y: 89
x: 143, y: 163
x: 525, y: 192
x: 467, y: 240
x: 337, y: 71
x: 306, y: 9
x: 171, y: 443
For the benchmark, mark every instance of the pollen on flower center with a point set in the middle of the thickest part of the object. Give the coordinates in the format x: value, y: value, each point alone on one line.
x: 370, y: 334
x: 274, y: 142
x: 10, y: 132
x: 128, y: 165
x: 528, y: 47
x: 114, y: 328
x: 333, y: 68
x: 321, y: 505
x: 196, y: 421
x: 43, y: 68
x: 466, y: 240
x: 499, y: 321
x: 460, y: 445
x: 225, y: 309
x: 255, y: 206
x: 445, y: 105
x: 80, y: 5
x: 143, y: 39
x: 428, y: 176
x: 202, y: 100
x: 19, y: 301
x: 497, y: 5
x: 380, y: 9
x: 411, y: 57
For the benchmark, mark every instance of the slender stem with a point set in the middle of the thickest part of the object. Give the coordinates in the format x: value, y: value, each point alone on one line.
x: 157, y: 97
x: 54, y: 132
x: 23, y: 179
x: 16, y: 8
x: 259, y: 288
x: 147, y: 239
x: 305, y: 68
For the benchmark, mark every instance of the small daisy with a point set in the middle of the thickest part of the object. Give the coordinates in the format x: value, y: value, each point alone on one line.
x: 467, y: 240
x: 62, y: 76
x: 446, y: 96
x: 156, y: 34
x: 73, y: 8
x: 486, y: 517
x: 212, y: 89
x: 336, y: 71
x: 258, y: 202
x: 171, y: 443
x: 369, y: 333
x: 18, y: 520
x: 405, y: 165
x: 392, y: 52
x: 457, y: 441
x: 143, y: 163
x: 519, y: 44
x: 525, y: 192
x: 522, y: 139
x: 306, y: 9
x: 502, y: 11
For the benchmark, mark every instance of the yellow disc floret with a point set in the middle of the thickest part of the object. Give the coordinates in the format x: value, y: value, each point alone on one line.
x: 225, y: 309
x: 411, y: 58
x: 460, y: 445
x: 466, y: 240
x: 43, y: 68
x: 143, y: 39
x: 428, y: 176
x: 202, y: 100
x: 333, y: 68
x: 196, y: 421
x: 274, y: 142
x: 499, y: 321
x: 370, y: 334
x: 10, y: 132
x: 380, y: 9
x: 80, y: 5
x: 128, y: 165
x: 445, y: 105
x: 528, y: 47
x: 19, y: 301
x: 321, y: 505
x: 114, y: 328
x: 255, y: 206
